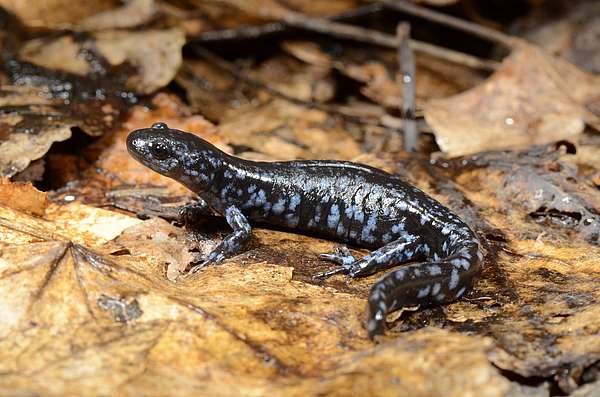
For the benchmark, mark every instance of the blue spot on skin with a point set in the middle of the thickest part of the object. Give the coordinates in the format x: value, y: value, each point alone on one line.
x: 292, y: 220
x: 224, y: 192
x: 261, y: 198
x: 279, y: 206
x: 367, y: 230
x: 294, y: 201
x: 359, y: 216
x: 434, y: 270
x: 398, y: 228
x: 349, y: 212
x: 423, y: 292
x: 399, y: 274
x: 453, y: 279
x: 462, y: 263
x: 334, y: 216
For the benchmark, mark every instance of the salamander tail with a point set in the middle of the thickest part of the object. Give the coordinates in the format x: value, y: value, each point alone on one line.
x: 423, y: 284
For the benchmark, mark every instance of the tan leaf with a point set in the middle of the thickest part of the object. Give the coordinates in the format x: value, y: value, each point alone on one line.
x: 533, y: 98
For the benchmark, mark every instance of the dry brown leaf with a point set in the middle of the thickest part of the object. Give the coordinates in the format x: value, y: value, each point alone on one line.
x: 216, y: 92
x: 55, y: 13
x: 155, y: 54
x: 116, y: 322
x: 259, y: 324
x: 131, y: 14
x: 311, y: 84
x: 23, y: 197
x: 437, y: 2
x: 532, y: 99
x: 285, y: 131
x: 308, y: 52
x: 434, y: 79
x: 17, y: 150
x: 566, y: 28
x: 32, y: 122
x: 28, y: 131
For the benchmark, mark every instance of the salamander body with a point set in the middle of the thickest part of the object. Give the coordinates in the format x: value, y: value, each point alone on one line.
x: 344, y: 201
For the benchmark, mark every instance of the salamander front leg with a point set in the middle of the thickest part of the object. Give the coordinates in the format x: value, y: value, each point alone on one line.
x: 193, y: 213
x: 233, y: 243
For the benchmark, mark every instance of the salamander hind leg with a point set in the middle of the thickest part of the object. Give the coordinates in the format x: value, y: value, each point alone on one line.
x: 427, y: 283
x: 342, y: 257
x: 233, y: 243
x: 389, y: 255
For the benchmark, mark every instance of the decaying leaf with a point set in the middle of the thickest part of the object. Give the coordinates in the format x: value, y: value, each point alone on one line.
x: 17, y: 150
x: 93, y: 313
x: 566, y: 28
x: 533, y: 99
x: 155, y: 55
x: 99, y: 302
x: 55, y: 13
x: 288, y: 131
x: 23, y: 197
x: 131, y: 14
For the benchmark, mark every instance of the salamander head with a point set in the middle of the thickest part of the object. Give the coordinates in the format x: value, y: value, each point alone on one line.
x: 176, y: 154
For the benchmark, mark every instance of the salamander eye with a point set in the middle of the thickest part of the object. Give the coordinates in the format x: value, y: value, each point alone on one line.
x: 159, y: 150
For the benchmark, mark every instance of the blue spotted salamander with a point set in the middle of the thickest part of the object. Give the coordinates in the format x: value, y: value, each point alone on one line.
x: 348, y: 202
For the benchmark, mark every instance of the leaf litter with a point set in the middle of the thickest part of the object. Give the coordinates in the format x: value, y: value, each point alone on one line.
x: 95, y: 301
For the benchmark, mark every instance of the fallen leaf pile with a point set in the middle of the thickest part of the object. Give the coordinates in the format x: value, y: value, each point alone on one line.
x: 95, y: 298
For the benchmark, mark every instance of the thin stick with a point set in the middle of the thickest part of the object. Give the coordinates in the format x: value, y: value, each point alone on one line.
x: 362, y: 35
x: 377, y: 38
x: 406, y: 61
x: 254, y: 32
x: 448, y: 20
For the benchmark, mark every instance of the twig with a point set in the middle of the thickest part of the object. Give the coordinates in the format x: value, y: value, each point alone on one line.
x: 360, y: 34
x: 375, y: 37
x: 406, y: 61
x: 448, y: 20
x: 254, y: 32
